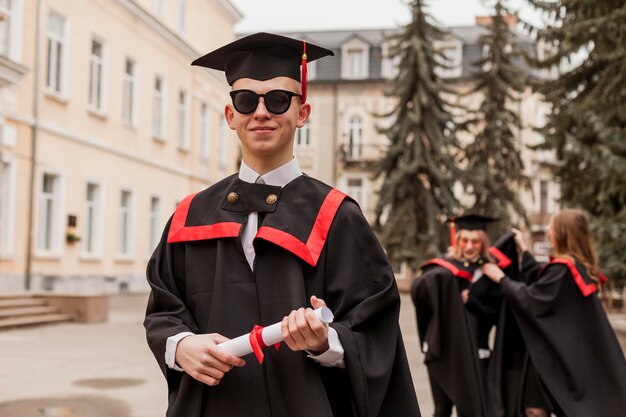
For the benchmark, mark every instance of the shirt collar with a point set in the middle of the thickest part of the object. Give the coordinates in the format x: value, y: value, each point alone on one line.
x: 279, y: 177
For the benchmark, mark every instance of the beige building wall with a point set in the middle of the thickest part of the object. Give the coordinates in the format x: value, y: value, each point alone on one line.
x: 79, y: 143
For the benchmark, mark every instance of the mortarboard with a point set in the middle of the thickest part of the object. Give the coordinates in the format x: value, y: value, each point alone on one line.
x: 468, y: 222
x: 263, y: 56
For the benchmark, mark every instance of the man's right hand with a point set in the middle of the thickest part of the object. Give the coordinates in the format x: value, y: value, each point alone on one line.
x: 200, y: 358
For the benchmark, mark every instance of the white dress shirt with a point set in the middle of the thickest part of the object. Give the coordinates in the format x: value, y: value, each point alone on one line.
x: 279, y: 177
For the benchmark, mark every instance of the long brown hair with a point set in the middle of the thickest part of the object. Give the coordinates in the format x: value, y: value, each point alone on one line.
x: 571, y: 237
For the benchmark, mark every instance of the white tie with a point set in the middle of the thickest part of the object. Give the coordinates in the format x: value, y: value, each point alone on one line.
x: 249, y: 232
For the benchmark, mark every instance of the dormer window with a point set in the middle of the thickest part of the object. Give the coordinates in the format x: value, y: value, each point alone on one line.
x: 390, y: 64
x: 452, y: 65
x: 355, y: 59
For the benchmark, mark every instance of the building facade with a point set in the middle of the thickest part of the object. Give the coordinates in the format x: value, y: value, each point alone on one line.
x: 105, y: 127
x: 341, y: 142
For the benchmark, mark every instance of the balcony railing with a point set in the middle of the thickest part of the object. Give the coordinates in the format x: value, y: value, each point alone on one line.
x: 361, y: 152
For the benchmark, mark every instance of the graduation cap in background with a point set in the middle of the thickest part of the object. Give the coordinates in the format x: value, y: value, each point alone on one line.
x: 263, y: 56
x: 468, y: 222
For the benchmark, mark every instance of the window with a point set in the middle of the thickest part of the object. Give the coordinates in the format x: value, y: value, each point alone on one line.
x: 91, y: 220
x: 355, y: 59
x: 355, y: 188
x: 7, y: 206
x: 155, y: 222
x: 452, y: 59
x: 303, y: 136
x: 125, y: 221
x: 96, y: 76
x: 182, y: 16
x: 5, y: 26
x: 204, y: 131
x: 183, y: 141
x: 129, y: 94
x: 56, y: 53
x: 390, y: 64
x: 355, y: 135
x: 222, y: 144
x: 158, y: 108
x: 158, y: 7
x: 49, y: 229
x: 356, y: 64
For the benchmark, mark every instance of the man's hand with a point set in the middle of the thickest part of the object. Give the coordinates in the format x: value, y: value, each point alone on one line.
x: 493, y: 272
x: 200, y: 358
x: 302, y: 330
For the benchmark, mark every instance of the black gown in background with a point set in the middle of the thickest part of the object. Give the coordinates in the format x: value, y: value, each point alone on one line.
x: 312, y: 241
x: 569, y: 339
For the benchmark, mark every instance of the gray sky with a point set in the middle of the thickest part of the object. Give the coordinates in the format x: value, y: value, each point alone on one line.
x: 293, y: 15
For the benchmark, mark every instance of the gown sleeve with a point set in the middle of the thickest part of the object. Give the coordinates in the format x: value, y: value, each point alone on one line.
x: 166, y: 312
x: 537, y: 299
x: 360, y: 287
x: 530, y: 268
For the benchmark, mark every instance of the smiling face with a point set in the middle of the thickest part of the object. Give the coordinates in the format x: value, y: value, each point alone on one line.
x: 470, y: 244
x: 266, y: 138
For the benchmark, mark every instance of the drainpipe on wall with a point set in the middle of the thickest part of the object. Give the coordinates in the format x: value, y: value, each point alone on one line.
x: 33, y: 157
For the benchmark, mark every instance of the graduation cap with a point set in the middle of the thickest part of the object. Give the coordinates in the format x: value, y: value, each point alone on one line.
x: 468, y: 222
x: 263, y: 56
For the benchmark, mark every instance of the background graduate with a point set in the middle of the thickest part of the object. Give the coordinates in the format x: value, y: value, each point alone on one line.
x: 576, y: 367
x: 257, y: 248
x: 456, y: 308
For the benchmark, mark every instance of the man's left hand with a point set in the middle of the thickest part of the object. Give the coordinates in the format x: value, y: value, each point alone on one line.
x: 302, y: 330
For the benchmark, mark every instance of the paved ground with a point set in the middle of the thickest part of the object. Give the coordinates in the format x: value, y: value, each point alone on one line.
x: 106, y: 370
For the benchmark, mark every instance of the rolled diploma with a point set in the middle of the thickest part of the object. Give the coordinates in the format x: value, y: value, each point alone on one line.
x: 240, y: 346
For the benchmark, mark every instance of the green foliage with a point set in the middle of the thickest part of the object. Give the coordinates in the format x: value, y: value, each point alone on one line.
x: 495, y: 167
x: 587, y: 127
x: 419, y: 167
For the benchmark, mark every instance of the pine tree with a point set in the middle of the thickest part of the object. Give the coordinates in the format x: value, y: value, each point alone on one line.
x: 495, y: 171
x: 419, y: 167
x: 587, y: 127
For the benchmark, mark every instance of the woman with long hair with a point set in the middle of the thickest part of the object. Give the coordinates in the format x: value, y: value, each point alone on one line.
x: 576, y: 367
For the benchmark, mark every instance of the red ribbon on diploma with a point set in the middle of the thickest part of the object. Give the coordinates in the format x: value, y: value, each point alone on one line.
x: 257, y: 343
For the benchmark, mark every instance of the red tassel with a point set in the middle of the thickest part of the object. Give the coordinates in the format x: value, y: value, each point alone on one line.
x: 452, y: 233
x: 304, y: 84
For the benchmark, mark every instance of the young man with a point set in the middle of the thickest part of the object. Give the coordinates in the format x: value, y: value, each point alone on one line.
x: 261, y: 246
x: 456, y: 308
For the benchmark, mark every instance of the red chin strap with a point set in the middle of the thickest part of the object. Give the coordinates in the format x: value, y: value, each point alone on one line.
x: 304, y: 84
x: 452, y: 233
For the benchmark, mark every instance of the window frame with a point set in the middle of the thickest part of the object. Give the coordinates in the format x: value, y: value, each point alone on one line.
x: 161, y: 108
x: 98, y: 107
x: 182, y: 121
x: 348, y: 51
x: 125, y: 233
x: 59, y: 89
x: 56, y: 229
x: 97, y: 222
x: 205, y: 132
x: 130, y: 83
x: 8, y: 168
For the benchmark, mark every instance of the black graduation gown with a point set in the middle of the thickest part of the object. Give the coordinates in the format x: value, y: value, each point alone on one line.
x: 509, y: 356
x: 313, y: 241
x: 450, y: 347
x: 570, y: 341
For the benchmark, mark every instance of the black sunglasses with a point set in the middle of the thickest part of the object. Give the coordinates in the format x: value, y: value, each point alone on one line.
x: 276, y: 101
